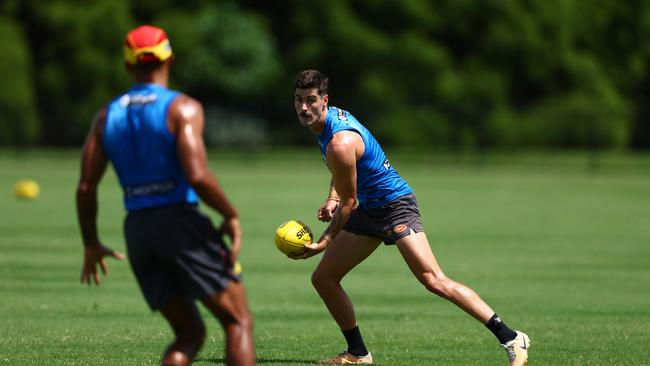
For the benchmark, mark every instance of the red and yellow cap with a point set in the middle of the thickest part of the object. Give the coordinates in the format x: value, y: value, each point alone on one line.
x: 146, y: 43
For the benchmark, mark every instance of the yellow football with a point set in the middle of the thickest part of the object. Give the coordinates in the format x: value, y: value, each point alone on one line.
x: 26, y: 189
x: 291, y: 237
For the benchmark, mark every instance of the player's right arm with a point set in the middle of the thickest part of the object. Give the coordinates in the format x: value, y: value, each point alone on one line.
x: 343, y: 152
x: 187, y: 123
x: 93, y: 166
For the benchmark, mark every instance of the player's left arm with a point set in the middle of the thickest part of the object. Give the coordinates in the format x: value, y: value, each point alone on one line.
x: 93, y: 165
x: 342, y: 155
x: 187, y: 122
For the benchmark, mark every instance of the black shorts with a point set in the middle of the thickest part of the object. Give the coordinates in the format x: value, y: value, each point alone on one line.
x: 389, y: 223
x: 176, y: 251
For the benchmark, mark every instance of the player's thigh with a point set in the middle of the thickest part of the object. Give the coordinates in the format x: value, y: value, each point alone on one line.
x: 229, y: 305
x: 418, y: 255
x: 344, y: 253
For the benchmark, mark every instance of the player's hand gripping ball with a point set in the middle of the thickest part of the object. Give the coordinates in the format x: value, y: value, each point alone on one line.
x: 291, y: 237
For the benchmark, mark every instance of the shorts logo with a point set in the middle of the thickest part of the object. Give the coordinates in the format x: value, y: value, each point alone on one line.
x: 399, y: 228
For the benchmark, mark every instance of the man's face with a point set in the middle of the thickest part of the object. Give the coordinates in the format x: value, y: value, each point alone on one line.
x: 310, y: 106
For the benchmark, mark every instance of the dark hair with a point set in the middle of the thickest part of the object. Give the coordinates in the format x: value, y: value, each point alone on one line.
x: 312, y: 79
x: 147, y: 67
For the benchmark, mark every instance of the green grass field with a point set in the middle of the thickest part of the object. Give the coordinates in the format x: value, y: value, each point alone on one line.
x: 557, y: 249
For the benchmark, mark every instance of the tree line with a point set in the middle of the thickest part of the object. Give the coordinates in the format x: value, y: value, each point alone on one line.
x: 444, y: 73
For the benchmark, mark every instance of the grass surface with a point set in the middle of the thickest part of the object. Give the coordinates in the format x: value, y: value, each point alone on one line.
x: 557, y: 248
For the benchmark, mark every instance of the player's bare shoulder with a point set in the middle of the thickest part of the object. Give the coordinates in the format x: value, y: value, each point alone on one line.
x: 345, y: 144
x: 184, y: 109
x: 185, y: 106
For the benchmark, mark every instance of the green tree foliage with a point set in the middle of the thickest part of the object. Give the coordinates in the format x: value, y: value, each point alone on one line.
x: 221, y: 51
x: 77, y: 61
x: 18, y: 123
x: 224, y: 56
x: 461, y: 73
x: 476, y: 74
x: 227, y: 58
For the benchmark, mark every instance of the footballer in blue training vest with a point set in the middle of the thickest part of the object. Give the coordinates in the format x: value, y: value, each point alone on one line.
x: 369, y: 203
x: 153, y: 136
x: 142, y: 149
x: 377, y: 181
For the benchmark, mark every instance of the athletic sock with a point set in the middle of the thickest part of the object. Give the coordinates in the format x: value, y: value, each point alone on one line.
x: 500, y: 329
x: 355, y: 342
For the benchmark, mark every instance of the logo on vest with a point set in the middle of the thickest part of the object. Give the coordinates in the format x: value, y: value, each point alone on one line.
x: 343, y: 115
x: 149, y: 189
x: 127, y: 99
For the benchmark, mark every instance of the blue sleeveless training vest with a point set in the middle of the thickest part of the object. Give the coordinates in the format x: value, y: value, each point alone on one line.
x: 143, y: 151
x: 377, y: 181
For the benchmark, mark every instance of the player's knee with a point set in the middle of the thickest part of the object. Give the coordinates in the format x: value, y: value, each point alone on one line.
x: 240, y: 320
x: 438, y: 284
x: 245, y: 320
x: 321, y: 281
x: 317, y: 280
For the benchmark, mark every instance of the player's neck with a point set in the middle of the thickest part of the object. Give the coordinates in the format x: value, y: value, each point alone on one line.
x: 318, y: 127
x: 156, y: 77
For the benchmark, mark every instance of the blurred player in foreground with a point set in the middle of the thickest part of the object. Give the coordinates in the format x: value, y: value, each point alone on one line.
x: 387, y: 211
x: 153, y: 138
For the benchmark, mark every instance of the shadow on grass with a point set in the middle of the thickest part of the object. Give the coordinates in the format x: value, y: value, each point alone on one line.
x: 259, y: 360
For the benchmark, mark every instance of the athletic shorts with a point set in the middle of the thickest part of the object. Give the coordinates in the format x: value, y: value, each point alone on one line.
x: 176, y: 251
x: 390, y: 222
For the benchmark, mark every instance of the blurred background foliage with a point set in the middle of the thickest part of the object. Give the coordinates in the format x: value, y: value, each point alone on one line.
x: 453, y: 74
